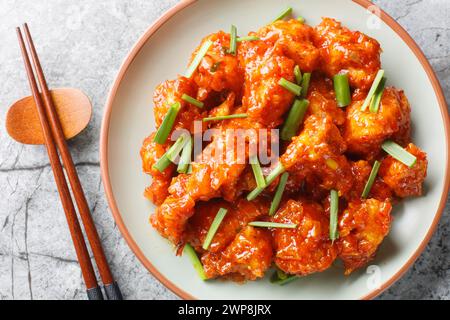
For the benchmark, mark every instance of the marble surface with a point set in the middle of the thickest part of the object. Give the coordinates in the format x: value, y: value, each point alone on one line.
x: 82, y: 44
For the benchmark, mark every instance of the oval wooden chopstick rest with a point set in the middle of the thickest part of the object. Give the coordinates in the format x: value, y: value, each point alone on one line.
x: 72, y: 105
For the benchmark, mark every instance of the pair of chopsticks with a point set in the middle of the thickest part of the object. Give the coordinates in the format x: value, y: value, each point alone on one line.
x: 54, y: 141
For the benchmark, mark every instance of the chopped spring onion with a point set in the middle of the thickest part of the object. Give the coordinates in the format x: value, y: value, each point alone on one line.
x: 263, y: 224
x: 278, y: 194
x: 334, y: 209
x: 399, y: 153
x: 279, y: 169
x: 167, y: 124
x: 190, y: 252
x: 284, y: 14
x: 281, y: 278
x: 290, y: 86
x: 186, y: 155
x: 372, y: 90
x: 189, y: 170
x: 170, y: 155
x: 298, y: 75
x: 305, y: 84
x: 376, y: 99
x: 233, y: 40
x: 301, y: 19
x: 192, y: 101
x: 198, y: 58
x: 257, y: 172
x: 294, y: 119
x: 371, y: 180
x: 214, y: 227
x: 232, y: 116
x: 342, y: 89
x: 248, y: 38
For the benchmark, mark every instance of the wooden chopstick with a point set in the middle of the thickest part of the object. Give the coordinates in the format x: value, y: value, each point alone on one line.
x: 87, y: 270
x: 111, y: 288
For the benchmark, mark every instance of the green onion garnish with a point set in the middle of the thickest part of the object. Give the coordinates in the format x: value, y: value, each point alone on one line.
x: 334, y: 209
x: 399, y: 153
x: 294, y: 119
x: 257, y: 172
x: 167, y: 124
x: 281, y: 278
x: 284, y: 14
x: 263, y: 224
x: 372, y: 90
x: 376, y: 99
x: 186, y: 155
x: 298, y: 75
x: 190, y: 252
x: 279, y: 169
x: 371, y: 180
x: 305, y: 84
x: 248, y: 38
x: 278, y: 194
x: 290, y: 86
x: 189, y: 170
x: 233, y: 42
x: 214, y: 227
x: 192, y: 101
x: 170, y: 155
x: 232, y: 116
x: 342, y: 89
x: 198, y: 58
x: 301, y: 19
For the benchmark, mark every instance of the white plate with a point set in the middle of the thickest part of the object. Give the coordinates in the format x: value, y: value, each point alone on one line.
x: 163, y: 52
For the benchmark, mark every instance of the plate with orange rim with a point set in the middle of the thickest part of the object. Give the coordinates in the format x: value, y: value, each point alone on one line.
x: 162, y: 53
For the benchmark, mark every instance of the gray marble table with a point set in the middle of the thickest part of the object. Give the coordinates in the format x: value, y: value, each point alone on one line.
x: 82, y: 44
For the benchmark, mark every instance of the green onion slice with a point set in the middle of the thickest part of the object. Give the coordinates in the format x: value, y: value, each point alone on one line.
x: 232, y: 116
x: 376, y: 99
x: 198, y: 58
x: 167, y: 124
x: 371, y: 180
x: 214, y: 227
x: 162, y: 164
x: 279, y: 169
x: 248, y: 38
x: 189, y: 170
x: 373, y: 89
x: 290, y: 86
x: 399, y: 153
x: 192, y: 101
x: 233, y: 40
x: 170, y: 155
x: 298, y: 75
x: 342, y: 89
x: 294, y: 119
x: 301, y: 19
x: 334, y: 209
x: 263, y: 224
x: 278, y: 194
x: 281, y: 278
x: 284, y: 14
x: 257, y: 172
x: 305, y: 84
x: 186, y: 155
x: 190, y: 252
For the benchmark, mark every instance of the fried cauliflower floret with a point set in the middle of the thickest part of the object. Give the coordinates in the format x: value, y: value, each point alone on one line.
x: 322, y: 100
x: 345, y: 50
x: 306, y: 249
x: 365, y: 131
x: 170, y: 92
x: 295, y: 40
x: 219, y: 71
x: 151, y: 152
x: 361, y: 171
x: 239, y: 214
x: 362, y: 228
x: 318, y: 151
x: 247, y: 257
x: 405, y: 181
x: 265, y: 100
